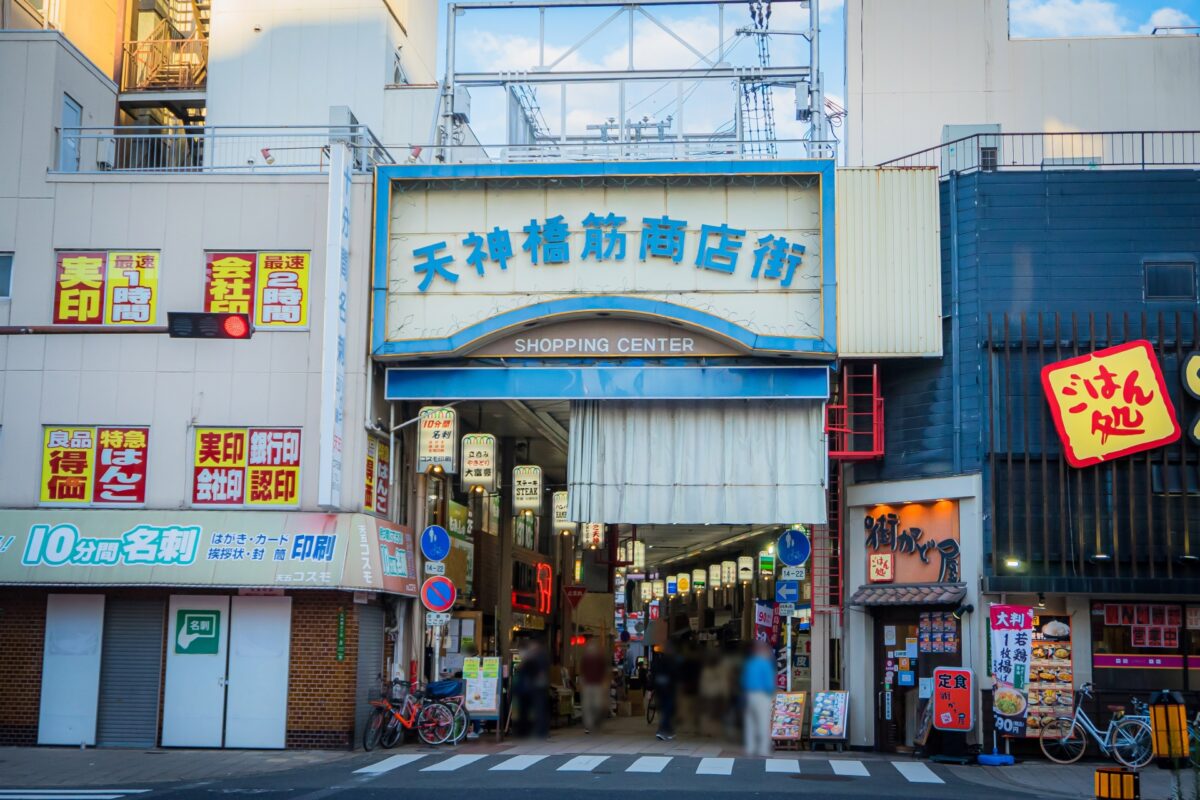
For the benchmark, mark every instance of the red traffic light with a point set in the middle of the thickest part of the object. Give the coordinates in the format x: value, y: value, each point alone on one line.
x: 208, y: 325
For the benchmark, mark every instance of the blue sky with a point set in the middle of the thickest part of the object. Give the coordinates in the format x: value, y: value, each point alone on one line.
x: 507, y: 40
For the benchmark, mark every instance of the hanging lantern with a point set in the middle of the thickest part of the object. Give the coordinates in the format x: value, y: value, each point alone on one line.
x: 728, y: 573
x: 698, y: 579
x: 592, y: 535
x: 714, y: 576
x: 646, y: 592
x: 683, y: 582
x: 657, y: 590
x: 672, y: 585
x: 745, y: 568
x: 637, y: 556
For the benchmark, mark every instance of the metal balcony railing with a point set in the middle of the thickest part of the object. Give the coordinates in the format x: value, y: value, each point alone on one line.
x: 582, y: 150
x: 165, y: 64
x: 226, y: 149
x: 1100, y: 150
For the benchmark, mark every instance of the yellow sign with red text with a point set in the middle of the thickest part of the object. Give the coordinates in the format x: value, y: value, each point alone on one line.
x: 1110, y: 403
x: 106, y: 288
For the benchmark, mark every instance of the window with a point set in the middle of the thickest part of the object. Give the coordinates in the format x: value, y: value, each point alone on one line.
x: 68, y: 139
x: 989, y: 159
x: 5, y: 275
x: 1170, y: 280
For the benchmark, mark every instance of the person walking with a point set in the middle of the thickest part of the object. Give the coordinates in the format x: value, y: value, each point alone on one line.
x: 758, y: 692
x: 595, y: 673
x: 665, y: 678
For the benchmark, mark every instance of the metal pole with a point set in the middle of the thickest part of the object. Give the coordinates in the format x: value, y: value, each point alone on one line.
x: 816, y: 90
x: 788, y: 668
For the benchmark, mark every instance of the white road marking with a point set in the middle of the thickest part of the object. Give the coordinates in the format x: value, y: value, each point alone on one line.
x: 10, y: 795
x: 389, y: 764
x: 517, y: 763
x: 916, y: 772
x: 787, y: 765
x: 583, y: 763
x: 452, y: 763
x: 53, y: 792
x: 849, y: 767
x: 650, y: 764
x: 715, y: 766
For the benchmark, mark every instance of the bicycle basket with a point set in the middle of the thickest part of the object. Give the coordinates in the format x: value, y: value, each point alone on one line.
x: 396, y: 691
x: 449, y: 688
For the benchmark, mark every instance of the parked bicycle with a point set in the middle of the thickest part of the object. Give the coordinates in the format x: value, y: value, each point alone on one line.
x: 651, y: 706
x: 402, y: 706
x: 1128, y: 739
x: 1142, y: 712
x: 452, y: 694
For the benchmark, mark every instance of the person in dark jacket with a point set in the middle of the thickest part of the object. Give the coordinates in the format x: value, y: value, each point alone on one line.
x: 665, y: 680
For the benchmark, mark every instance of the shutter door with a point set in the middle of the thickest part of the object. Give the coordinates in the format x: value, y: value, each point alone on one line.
x: 370, y: 663
x: 130, y: 673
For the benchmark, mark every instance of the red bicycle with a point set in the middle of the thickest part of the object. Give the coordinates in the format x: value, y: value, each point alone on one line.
x: 402, y: 706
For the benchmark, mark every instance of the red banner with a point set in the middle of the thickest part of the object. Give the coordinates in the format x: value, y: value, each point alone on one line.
x: 120, y: 471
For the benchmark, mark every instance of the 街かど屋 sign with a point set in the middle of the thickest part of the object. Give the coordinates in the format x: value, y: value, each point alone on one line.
x: 1110, y: 403
x: 743, y: 258
x: 920, y: 538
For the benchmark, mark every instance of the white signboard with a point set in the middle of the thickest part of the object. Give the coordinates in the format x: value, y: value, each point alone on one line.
x: 479, y: 461
x: 561, y: 523
x: 333, y: 343
x: 436, y: 618
x: 527, y: 488
x: 592, y: 535
x: 435, y: 568
x: 792, y: 573
x: 744, y: 255
x: 436, y: 429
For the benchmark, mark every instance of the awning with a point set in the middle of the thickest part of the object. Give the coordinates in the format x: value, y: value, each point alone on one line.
x: 206, y: 549
x: 696, y: 462
x: 909, y: 594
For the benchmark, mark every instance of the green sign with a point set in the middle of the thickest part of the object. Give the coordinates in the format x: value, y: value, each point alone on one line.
x: 341, y: 635
x: 766, y: 563
x: 197, y: 632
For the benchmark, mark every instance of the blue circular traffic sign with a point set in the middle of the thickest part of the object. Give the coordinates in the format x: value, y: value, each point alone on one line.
x: 435, y: 543
x: 794, y: 547
x: 438, y: 593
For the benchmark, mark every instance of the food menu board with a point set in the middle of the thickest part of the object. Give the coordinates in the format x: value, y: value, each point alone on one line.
x: 938, y: 632
x: 787, y: 716
x: 829, y: 715
x: 482, y: 677
x: 1051, y: 675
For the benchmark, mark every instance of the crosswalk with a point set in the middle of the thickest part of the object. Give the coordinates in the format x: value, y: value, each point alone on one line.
x: 68, y: 794
x: 908, y: 771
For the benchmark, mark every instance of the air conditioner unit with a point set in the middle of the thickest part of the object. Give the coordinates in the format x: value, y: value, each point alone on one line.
x: 106, y: 153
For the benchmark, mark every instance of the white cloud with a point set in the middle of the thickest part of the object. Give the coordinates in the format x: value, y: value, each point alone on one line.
x: 1168, y: 17
x: 1066, y: 18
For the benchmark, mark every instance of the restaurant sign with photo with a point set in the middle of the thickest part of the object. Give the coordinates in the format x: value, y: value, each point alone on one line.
x: 1012, y: 651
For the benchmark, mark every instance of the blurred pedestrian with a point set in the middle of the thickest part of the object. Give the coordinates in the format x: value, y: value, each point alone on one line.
x: 594, y: 670
x: 665, y: 677
x: 758, y: 692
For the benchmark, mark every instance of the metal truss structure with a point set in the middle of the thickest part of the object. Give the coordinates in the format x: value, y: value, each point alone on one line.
x: 753, y: 127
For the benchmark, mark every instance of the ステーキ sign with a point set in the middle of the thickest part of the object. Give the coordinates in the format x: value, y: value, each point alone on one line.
x: 1110, y: 403
x: 197, y: 632
x: 953, y: 699
x: 527, y: 488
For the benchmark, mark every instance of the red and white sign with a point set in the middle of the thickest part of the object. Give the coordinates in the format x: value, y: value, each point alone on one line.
x: 438, y: 593
x: 574, y: 594
x: 953, y: 699
x: 881, y: 567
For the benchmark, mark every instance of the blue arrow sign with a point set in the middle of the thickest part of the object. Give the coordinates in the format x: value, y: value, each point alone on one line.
x: 787, y: 592
x: 435, y: 543
x: 794, y: 547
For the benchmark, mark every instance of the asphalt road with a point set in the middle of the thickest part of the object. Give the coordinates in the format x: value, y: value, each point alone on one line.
x: 438, y: 776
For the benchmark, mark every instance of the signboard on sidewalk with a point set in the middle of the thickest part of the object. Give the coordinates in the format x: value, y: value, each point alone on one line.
x: 953, y: 699
x: 787, y: 716
x: 1012, y: 646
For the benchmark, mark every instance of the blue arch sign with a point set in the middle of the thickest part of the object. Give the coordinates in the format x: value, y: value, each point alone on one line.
x: 794, y: 547
x: 435, y: 543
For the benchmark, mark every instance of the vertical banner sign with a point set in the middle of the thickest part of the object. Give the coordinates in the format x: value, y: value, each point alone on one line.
x: 728, y: 573
x: 333, y: 345
x: 131, y: 293
x: 436, y: 433
x: 282, y: 290
x: 79, y: 288
x: 479, y: 461
x: 378, y: 477
x: 341, y: 635
x: 527, y: 488
x: 229, y: 282
x: 1012, y: 646
x: 561, y: 523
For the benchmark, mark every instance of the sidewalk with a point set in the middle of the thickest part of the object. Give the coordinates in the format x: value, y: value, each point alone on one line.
x: 49, y: 767
x: 1073, y: 781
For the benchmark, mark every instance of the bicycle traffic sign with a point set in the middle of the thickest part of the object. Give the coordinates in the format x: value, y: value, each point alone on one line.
x: 794, y: 547
x: 438, y: 593
x: 435, y: 543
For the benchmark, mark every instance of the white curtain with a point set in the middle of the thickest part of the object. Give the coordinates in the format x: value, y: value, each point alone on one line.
x: 697, y: 461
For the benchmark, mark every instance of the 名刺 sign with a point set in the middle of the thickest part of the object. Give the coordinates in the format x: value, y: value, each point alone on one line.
x: 436, y: 431
x: 435, y: 543
x: 197, y: 632
x: 1110, y: 403
x: 953, y: 699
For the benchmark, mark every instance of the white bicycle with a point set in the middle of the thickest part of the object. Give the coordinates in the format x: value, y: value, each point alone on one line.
x: 1129, y: 740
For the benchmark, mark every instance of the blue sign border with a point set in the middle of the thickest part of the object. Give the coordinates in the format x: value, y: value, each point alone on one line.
x: 445, y: 536
x: 797, y: 562
x: 586, y: 305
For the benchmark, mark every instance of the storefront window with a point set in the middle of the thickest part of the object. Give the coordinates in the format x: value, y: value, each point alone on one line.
x: 1139, y: 647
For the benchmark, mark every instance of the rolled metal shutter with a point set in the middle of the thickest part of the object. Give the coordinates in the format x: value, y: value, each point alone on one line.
x: 130, y: 673
x: 370, y: 663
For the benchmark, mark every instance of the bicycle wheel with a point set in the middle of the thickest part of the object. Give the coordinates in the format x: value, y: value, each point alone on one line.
x: 651, y: 708
x: 393, y: 733
x: 1063, y: 741
x: 1132, y: 743
x: 462, y: 723
x: 373, y: 730
x: 1194, y: 745
x: 435, y: 723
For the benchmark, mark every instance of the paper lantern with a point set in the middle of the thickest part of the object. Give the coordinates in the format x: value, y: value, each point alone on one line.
x: 728, y: 573
x: 745, y: 568
x: 658, y: 589
x: 714, y: 576
x: 683, y: 583
x: 698, y: 579
x: 646, y: 592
